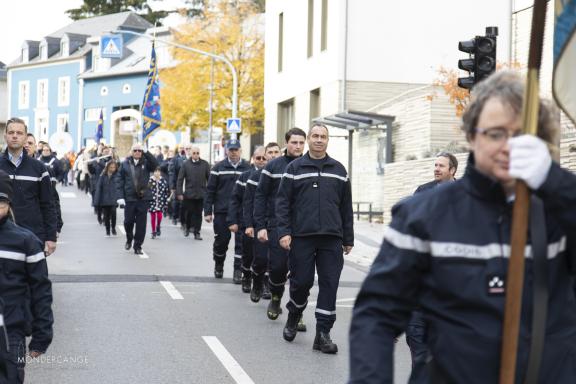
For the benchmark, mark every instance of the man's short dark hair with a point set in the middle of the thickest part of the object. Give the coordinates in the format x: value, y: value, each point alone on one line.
x: 317, y: 125
x: 452, y: 160
x: 271, y: 145
x: 31, y: 135
x: 294, y: 132
x: 16, y: 120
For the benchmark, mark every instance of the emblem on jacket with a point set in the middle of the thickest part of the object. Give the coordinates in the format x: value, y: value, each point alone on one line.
x: 496, y: 285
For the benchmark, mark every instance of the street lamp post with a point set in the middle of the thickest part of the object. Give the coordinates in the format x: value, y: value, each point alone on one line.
x: 216, y: 57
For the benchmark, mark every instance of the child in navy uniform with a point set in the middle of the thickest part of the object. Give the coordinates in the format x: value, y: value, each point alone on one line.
x: 159, y: 188
x: 24, y: 282
x: 106, y: 196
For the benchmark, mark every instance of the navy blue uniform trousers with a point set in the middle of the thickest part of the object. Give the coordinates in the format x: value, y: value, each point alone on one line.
x: 260, y: 262
x: 323, y: 254
x: 135, y: 214
x: 222, y: 236
x: 278, y: 263
x: 15, y: 360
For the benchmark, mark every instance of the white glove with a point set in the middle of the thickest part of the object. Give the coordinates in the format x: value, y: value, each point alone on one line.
x: 121, y: 203
x: 529, y: 160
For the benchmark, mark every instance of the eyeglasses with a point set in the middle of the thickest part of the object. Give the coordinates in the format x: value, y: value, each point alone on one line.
x: 137, y: 150
x: 259, y: 158
x: 498, y: 135
x: 195, y: 153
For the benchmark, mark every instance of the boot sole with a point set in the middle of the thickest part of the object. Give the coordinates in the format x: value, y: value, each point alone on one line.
x: 274, y: 315
x: 289, y: 338
x: 316, y: 347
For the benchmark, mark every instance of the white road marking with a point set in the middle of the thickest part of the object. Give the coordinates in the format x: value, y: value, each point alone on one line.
x: 67, y: 195
x: 143, y: 255
x: 172, y: 291
x: 231, y: 365
x: 121, y: 229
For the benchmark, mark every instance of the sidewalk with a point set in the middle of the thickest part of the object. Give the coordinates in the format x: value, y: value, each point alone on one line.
x: 367, y: 240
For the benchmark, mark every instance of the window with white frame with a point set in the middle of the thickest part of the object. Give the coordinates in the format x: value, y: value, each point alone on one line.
x: 64, y: 47
x: 23, y: 94
x: 43, y: 51
x: 93, y: 114
x: 42, y: 93
x: 62, y: 122
x: 63, y: 91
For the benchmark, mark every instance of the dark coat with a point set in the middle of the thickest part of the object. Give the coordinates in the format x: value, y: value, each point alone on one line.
x: 174, y: 170
x: 442, y: 251
x: 234, y: 215
x: 106, y: 193
x: 315, y: 201
x: 33, y: 196
x: 223, y: 176
x: 195, y: 177
x: 24, y: 285
x: 132, y: 187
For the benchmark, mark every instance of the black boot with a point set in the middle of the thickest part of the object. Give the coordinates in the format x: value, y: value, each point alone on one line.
x: 246, y: 283
x: 291, y: 327
x: 274, y: 308
x: 218, y: 270
x: 323, y: 343
x: 128, y: 245
x: 237, y: 276
x: 256, y: 292
x: 266, y: 295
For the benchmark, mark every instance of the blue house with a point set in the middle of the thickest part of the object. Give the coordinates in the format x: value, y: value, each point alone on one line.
x: 58, y: 83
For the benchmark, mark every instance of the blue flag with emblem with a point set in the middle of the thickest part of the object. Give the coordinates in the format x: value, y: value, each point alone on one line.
x: 151, y: 104
x: 564, y: 77
x: 100, y: 129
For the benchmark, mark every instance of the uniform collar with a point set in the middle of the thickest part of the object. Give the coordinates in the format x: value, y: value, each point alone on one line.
x: 481, y: 185
x: 307, y: 160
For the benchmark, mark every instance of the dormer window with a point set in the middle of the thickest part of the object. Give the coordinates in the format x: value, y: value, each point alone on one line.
x: 25, y: 54
x: 64, y: 48
x: 43, y: 51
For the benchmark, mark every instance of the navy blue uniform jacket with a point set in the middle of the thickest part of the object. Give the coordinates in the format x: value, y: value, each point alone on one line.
x: 315, y: 201
x: 223, y: 176
x: 440, y: 252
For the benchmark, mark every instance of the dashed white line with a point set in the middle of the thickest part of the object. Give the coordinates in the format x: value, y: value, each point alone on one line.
x: 121, y: 229
x: 231, y: 365
x: 172, y: 291
x: 67, y: 195
x: 143, y: 255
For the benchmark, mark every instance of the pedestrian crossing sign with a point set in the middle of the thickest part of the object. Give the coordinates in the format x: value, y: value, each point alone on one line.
x: 111, y: 46
x: 234, y: 125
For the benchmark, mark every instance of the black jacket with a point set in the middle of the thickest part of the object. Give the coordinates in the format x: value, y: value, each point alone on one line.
x: 195, y: 177
x: 219, y: 189
x: 174, y: 170
x: 315, y: 201
x: 249, y: 195
x: 106, y: 192
x: 265, y: 195
x: 24, y: 285
x: 427, y: 186
x: 54, y: 167
x: 441, y: 251
x: 132, y: 181
x: 33, y: 196
x: 234, y: 215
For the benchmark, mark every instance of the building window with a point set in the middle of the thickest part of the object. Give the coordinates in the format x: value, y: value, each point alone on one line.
x: 42, y: 94
x: 43, y: 51
x: 280, y: 41
x: 126, y: 88
x: 62, y: 122
x: 310, y: 27
x: 63, y: 91
x: 285, y: 118
x: 64, y: 48
x: 314, y: 104
x: 103, y: 91
x: 23, y: 94
x: 25, y: 55
x: 324, y: 31
x: 93, y: 114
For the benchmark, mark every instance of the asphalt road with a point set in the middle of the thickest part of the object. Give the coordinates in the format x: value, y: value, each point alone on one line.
x: 120, y: 318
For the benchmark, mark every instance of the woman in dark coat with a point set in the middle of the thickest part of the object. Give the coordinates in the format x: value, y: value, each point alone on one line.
x: 106, y: 196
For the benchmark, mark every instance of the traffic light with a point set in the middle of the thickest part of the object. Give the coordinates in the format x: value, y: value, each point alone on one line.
x: 482, y: 60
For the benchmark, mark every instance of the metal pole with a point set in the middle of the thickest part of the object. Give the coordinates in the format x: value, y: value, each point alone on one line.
x: 210, y: 112
x: 216, y: 57
x: 350, y: 148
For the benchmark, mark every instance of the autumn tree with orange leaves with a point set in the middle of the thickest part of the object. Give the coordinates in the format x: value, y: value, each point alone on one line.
x: 236, y: 33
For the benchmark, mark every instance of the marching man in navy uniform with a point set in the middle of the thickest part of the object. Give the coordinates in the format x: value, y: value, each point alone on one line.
x: 315, y: 223
x: 218, y: 193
